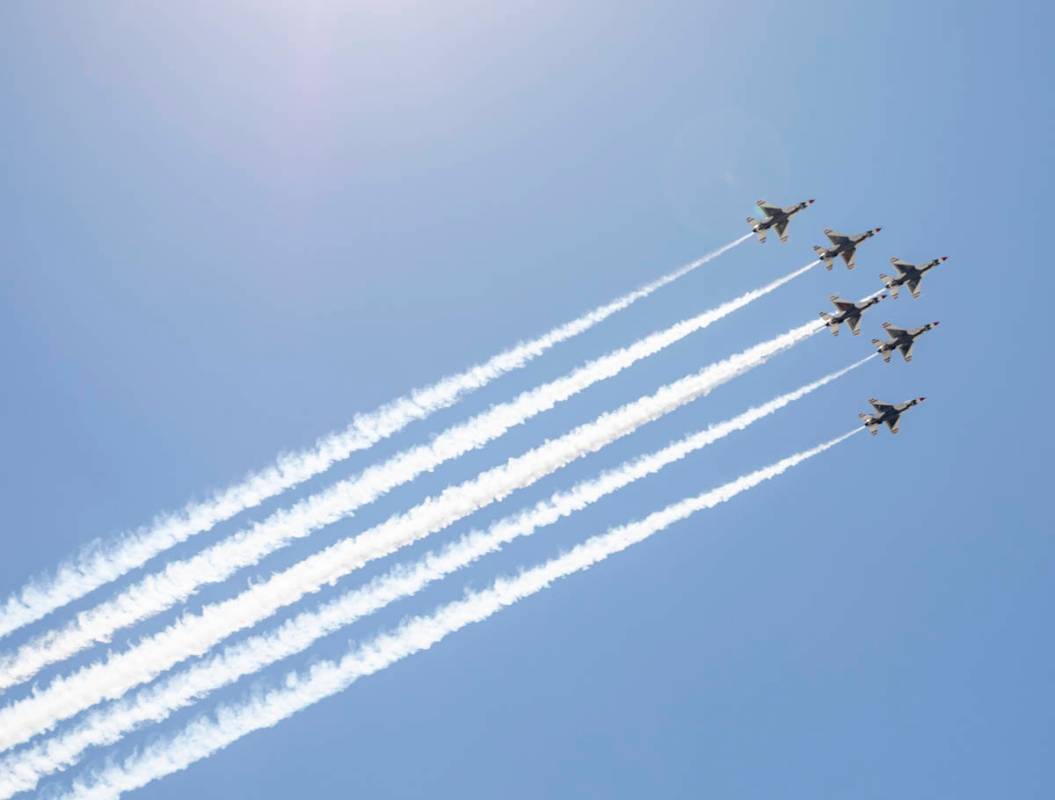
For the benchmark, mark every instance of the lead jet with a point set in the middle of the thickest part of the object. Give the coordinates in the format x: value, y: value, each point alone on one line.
x: 776, y: 217
x: 885, y: 412
x: 849, y: 312
x: 842, y: 245
x: 908, y: 275
x: 900, y: 339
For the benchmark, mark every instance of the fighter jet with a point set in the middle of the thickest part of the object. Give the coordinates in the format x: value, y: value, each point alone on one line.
x: 848, y: 312
x: 908, y: 274
x: 776, y: 217
x: 900, y: 339
x: 842, y: 245
x: 890, y: 414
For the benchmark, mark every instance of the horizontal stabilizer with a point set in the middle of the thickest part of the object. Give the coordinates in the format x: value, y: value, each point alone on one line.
x: 888, y: 282
x: 759, y: 232
x: 869, y: 423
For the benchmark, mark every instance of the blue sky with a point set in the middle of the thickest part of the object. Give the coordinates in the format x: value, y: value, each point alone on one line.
x: 230, y: 226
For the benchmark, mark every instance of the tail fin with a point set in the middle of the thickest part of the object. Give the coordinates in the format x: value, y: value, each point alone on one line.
x: 828, y: 321
x: 761, y: 234
x: 884, y: 353
x: 822, y: 254
x: 888, y: 283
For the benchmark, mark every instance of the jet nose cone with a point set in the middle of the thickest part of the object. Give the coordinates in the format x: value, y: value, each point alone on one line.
x: 922, y: 399
x: 936, y: 323
x: 877, y: 230
x: 944, y: 258
x: 811, y: 201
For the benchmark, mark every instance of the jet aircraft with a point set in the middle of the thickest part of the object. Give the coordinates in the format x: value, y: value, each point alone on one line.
x: 900, y: 339
x: 908, y: 275
x: 885, y: 412
x: 776, y: 217
x: 842, y: 245
x: 848, y: 312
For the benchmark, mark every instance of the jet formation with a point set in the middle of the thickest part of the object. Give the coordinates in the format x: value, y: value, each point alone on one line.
x: 849, y: 312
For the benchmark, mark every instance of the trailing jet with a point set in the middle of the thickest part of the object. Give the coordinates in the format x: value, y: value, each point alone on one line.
x: 776, y: 217
x: 848, y: 312
x: 908, y: 275
x: 900, y: 339
x: 890, y: 414
x: 842, y: 245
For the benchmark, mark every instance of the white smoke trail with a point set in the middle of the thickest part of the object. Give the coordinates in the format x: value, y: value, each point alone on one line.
x: 179, y: 579
x: 208, y: 735
x: 101, y: 564
x: 193, y: 634
x: 21, y: 771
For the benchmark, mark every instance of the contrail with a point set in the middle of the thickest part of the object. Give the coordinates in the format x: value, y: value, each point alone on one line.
x: 179, y: 579
x: 194, y: 634
x: 102, y: 563
x: 21, y: 771
x: 207, y: 735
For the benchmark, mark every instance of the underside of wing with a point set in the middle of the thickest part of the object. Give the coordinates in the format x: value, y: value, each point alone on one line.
x: 906, y: 351
x: 768, y: 209
x: 836, y: 238
x: 848, y: 256
x: 913, y: 286
x: 781, y: 227
x: 843, y: 305
x: 853, y: 322
x: 894, y: 424
x: 880, y: 407
x: 901, y: 266
x: 895, y: 333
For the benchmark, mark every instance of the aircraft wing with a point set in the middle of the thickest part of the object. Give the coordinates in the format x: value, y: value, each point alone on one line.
x: 894, y: 424
x: 842, y: 304
x: 781, y: 227
x: 900, y: 266
x: 854, y: 324
x: 906, y: 351
x: 768, y: 209
x: 881, y: 408
x: 836, y: 238
x: 848, y: 256
x: 913, y: 286
x: 895, y: 333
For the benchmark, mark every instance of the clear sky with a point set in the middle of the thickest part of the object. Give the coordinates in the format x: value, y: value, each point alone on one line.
x: 227, y: 227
